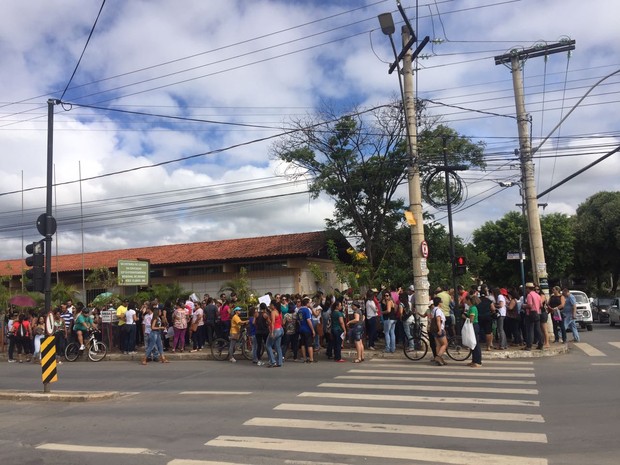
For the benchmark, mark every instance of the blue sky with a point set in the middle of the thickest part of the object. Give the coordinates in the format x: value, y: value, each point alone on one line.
x: 261, y: 64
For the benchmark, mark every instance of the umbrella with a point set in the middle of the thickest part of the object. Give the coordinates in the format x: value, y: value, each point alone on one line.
x: 23, y: 301
x: 101, y: 298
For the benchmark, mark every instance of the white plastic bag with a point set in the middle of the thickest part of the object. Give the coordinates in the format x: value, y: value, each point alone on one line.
x: 467, y: 335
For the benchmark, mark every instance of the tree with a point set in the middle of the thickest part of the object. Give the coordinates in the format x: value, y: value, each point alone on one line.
x: 597, y: 231
x: 240, y: 285
x: 494, y: 239
x: 102, y: 278
x: 360, y: 160
x: 559, y: 242
x: 62, y: 292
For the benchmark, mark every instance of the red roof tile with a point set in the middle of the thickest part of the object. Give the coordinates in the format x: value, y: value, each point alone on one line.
x: 289, y: 245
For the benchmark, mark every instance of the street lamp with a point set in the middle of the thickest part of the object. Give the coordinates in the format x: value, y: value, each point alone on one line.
x: 418, y: 245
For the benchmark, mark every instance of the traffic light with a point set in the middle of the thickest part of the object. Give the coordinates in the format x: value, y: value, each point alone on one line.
x: 36, y: 260
x: 460, y: 265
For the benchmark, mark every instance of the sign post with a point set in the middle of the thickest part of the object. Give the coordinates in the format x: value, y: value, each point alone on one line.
x: 49, y: 373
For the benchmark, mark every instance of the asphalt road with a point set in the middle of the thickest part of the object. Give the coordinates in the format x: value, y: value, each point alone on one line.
x: 550, y: 410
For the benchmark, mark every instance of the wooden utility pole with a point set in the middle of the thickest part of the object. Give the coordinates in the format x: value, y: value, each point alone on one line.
x: 516, y: 58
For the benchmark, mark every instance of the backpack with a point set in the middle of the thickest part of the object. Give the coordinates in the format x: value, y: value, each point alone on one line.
x: 22, y: 331
x: 290, y: 324
x: 328, y: 326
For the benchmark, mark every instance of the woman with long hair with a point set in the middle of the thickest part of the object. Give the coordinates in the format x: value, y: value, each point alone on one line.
x: 275, y: 335
x: 388, y: 311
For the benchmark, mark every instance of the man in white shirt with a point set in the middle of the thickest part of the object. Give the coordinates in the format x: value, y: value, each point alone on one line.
x: 130, y: 329
x: 371, y: 318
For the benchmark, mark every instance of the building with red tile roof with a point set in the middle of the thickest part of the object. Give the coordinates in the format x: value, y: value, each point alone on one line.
x: 280, y: 263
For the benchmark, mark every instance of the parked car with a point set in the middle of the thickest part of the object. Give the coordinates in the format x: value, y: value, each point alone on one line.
x: 584, y: 310
x: 600, y: 309
x: 614, y: 312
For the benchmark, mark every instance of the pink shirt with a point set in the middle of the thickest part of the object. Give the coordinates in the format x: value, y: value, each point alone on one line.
x: 533, y: 302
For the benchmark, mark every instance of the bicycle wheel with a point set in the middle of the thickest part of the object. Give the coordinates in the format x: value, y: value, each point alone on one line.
x: 456, y: 350
x: 97, y: 351
x: 246, y: 347
x: 219, y: 349
x: 418, y: 349
x: 72, y: 352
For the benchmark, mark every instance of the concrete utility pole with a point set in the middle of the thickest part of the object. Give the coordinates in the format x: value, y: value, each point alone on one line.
x: 420, y: 271
x: 515, y: 58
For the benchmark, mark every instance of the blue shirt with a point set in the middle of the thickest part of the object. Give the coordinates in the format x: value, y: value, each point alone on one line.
x: 569, y: 306
x: 306, y: 314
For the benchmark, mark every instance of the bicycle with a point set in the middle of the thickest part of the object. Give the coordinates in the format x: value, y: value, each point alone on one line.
x: 219, y: 347
x: 416, y: 347
x: 96, y: 350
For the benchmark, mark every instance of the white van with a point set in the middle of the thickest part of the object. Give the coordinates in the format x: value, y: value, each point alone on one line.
x: 584, y: 310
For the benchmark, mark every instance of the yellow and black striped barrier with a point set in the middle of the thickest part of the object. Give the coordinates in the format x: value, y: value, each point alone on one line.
x: 48, y: 361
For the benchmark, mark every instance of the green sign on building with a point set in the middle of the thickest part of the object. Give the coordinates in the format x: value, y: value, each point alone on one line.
x: 133, y: 273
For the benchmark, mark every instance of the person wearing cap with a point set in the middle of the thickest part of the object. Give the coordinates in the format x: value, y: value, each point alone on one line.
x: 235, y: 332
x: 83, y: 323
x: 500, y: 308
x: 532, y: 317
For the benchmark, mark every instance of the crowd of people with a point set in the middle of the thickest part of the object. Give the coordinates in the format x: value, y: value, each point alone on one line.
x: 301, y: 326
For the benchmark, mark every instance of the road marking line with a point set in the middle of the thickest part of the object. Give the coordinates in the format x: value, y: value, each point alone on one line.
x: 452, y: 365
x: 436, y: 372
x: 434, y: 380
x: 382, y: 451
x: 615, y: 344
x: 96, y: 449
x: 217, y: 393
x: 417, y: 430
x: 605, y: 364
x: 403, y: 387
x: 428, y: 399
x: 590, y: 350
x: 492, y: 362
x: 477, y: 415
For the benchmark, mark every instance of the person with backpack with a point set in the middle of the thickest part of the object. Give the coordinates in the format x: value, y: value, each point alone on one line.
x: 20, y: 334
x: 291, y: 334
x: 486, y: 308
x: 306, y: 331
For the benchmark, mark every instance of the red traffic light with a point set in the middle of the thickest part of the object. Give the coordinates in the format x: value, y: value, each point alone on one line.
x: 460, y: 261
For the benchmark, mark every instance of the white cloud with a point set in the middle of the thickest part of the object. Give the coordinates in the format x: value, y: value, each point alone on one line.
x: 242, y: 80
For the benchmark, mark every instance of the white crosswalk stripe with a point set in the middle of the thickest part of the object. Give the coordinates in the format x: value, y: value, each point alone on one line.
x: 413, y: 412
x: 426, y: 399
x: 381, y: 451
x: 505, y: 410
x: 417, y: 430
x: 422, y: 379
x: 391, y: 387
x: 615, y: 344
x: 470, y: 372
x: 589, y: 349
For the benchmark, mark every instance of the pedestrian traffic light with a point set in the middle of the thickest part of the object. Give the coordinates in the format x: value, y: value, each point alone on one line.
x: 36, y: 260
x: 460, y: 265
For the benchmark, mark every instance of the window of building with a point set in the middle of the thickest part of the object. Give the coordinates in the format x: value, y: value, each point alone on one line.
x: 263, y: 266
x: 201, y: 270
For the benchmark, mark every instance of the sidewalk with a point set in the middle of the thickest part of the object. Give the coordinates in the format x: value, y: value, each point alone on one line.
x: 347, y: 352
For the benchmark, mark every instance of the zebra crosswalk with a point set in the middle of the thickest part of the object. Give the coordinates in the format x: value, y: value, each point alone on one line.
x: 451, y: 415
